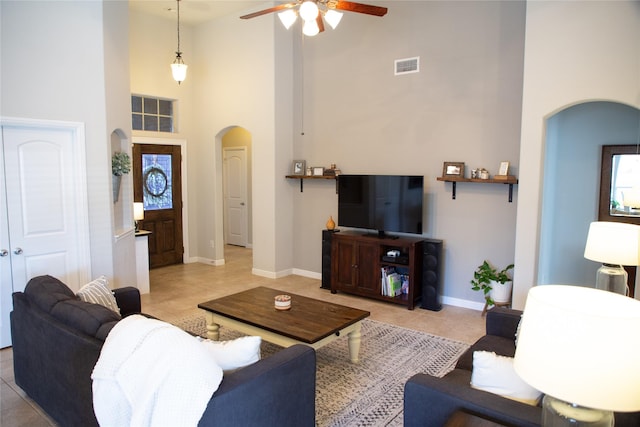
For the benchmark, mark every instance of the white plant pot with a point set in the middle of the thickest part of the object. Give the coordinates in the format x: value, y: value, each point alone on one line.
x: 501, y: 293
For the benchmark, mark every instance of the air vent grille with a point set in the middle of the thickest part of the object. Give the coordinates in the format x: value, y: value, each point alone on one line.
x: 407, y: 66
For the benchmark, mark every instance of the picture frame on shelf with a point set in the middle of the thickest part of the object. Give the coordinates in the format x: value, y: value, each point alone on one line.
x: 504, y: 168
x: 298, y: 167
x: 318, y: 171
x: 453, y: 169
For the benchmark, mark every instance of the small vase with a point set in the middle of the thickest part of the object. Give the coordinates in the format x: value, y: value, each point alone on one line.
x: 331, y: 225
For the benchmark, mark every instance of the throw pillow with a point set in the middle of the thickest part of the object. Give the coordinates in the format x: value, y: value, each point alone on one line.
x: 98, y: 292
x: 234, y: 354
x: 495, y: 374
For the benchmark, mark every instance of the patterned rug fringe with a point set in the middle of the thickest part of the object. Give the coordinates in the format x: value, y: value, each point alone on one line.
x: 369, y: 393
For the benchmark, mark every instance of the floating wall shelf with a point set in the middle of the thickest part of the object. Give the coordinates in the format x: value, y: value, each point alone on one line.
x: 303, y: 177
x: 508, y: 179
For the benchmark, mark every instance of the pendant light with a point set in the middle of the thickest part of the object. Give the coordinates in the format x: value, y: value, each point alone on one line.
x: 179, y: 68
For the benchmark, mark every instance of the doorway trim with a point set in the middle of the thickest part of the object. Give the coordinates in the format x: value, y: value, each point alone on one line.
x: 185, y: 195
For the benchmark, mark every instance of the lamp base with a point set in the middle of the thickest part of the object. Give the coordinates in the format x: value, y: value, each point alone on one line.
x: 612, y: 278
x: 558, y: 413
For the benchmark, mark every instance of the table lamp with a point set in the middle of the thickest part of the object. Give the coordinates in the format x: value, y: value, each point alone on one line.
x: 579, y: 346
x: 614, y: 244
x: 138, y: 213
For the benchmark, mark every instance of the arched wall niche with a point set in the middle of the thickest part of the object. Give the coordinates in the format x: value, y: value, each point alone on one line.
x: 574, y: 138
x: 123, y: 207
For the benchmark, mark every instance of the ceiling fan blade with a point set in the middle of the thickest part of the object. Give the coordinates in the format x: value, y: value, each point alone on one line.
x: 270, y: 10
x: 361, y: 8
x: 320, y: 22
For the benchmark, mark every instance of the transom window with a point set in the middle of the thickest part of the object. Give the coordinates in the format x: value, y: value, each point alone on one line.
x: 152, y: 114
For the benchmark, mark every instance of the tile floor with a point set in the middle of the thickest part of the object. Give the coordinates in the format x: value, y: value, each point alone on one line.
x: 176, y: 291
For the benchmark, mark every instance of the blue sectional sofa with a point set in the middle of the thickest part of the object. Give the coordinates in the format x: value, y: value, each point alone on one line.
x: 57, y: 340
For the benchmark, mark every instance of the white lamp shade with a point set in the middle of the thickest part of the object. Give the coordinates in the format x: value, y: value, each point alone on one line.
x: 288, y: 17
x: 138, y: 211
x: 179, y: 71
x: 615, y: 243
x: 333, y: 18
x: 310, y: 28
x: 581, y: 345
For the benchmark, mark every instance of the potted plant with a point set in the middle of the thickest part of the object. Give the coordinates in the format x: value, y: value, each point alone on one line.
x: 120, y: 165
x: 496, y: 285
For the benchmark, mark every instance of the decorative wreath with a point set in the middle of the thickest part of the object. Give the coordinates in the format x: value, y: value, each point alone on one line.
x: 155, y: 181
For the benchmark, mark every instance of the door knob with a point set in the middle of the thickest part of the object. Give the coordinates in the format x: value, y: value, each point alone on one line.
x: 4, y: 252
x: 17, y: 251
x: 241, y: 203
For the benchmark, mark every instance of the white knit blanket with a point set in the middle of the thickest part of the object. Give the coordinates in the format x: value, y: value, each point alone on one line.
x: 151, y: 373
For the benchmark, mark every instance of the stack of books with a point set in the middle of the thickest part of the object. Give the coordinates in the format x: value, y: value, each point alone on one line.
x: 393, y: 283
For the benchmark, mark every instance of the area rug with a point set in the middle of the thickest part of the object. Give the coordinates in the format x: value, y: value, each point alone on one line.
x: 370, y: 392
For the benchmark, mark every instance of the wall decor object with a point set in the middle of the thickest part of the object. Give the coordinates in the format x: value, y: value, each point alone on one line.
x: 298, y: 167
x: 451, y: 169
x: 318, y: 170
x: 504, y: 168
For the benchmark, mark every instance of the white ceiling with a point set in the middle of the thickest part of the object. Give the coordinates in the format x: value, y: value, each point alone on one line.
x: 193, y: 12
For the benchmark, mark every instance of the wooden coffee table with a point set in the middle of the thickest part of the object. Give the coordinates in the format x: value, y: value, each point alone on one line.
x: 309, y: 321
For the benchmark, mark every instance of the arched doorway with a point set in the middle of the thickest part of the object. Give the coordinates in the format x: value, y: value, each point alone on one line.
x: 571, y: 184
x: 234, y: 195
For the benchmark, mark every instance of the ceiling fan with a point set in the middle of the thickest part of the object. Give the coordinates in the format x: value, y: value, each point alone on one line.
x: 312, y: 12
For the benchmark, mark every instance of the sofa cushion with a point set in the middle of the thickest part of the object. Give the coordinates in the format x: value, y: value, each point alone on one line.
x: 91, y: 319
x: 47, y: 291
x: 495, y: 374
x: 499, y: 345
x: 97, y: 292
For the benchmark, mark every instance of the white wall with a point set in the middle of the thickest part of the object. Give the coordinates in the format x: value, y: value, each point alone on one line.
x: 239, y: 67
x: 53, y: 67
x: 567, y: 62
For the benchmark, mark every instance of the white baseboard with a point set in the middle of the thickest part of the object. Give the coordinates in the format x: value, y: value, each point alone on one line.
x: 463, y: 303
x: 307, y: 273
x: 208, y: 261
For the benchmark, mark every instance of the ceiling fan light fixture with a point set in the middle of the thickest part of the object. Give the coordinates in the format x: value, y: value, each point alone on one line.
x: 333, y: 18
x: 310, y: 28
x: 309, y: 10
x: 288, y: 17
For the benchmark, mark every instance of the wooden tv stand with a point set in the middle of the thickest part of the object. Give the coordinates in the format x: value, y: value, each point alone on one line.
x: 357, y: 262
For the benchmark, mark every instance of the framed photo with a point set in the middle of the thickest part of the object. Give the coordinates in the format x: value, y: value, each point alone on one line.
x: 504, y: 168
x: 453, y: 169
x: 298, y: 167
x: 318, y: 171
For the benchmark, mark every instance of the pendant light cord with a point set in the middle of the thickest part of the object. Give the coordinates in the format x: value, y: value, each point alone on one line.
x: 302, y: 84
x: 178, y: 52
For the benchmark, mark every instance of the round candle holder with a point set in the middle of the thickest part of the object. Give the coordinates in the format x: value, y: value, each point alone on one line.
x: 282, y: 302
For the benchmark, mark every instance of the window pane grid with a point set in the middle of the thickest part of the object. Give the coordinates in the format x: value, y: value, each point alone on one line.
x: 151, y: 114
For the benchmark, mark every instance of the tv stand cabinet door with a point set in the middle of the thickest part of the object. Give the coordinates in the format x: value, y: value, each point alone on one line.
x: 353, y: 266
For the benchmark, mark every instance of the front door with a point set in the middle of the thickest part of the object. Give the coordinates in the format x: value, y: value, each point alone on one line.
x: 235, y: 196
x: 158, y: 184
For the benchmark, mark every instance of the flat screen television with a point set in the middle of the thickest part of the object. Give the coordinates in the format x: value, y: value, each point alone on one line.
x: 385, y: 203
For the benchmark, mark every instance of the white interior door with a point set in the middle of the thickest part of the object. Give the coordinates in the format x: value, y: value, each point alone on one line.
x: 235, y: 195
x: 44, y: 226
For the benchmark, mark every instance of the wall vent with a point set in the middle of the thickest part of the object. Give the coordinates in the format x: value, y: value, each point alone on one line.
x: 407, y: 66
